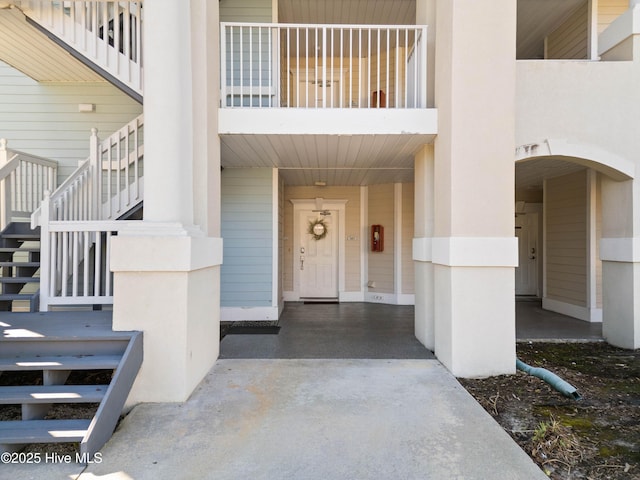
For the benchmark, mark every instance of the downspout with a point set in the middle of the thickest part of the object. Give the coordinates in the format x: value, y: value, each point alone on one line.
x: 551, y: 378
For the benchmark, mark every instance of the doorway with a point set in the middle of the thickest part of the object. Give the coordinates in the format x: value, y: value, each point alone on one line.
x: 527, y: 269
x: 318, y: 254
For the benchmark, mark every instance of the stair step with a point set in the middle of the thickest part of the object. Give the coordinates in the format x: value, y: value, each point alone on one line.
x: 22, y: 236
x: 52, y: 394
x: 59, y: 362
x: 19, y: 264
x: 19, y: 249
x: 16, y: 296
x: 19, y: 279
x: 43, y: 431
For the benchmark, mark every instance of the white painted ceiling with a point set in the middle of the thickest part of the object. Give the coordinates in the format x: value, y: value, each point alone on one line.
x: 530, y: 174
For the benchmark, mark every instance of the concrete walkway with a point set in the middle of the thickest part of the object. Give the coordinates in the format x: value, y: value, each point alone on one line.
x: 316, y: 419
x: 343, y: 392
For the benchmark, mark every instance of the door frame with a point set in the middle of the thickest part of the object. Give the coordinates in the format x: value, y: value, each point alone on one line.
x: 338, y: 205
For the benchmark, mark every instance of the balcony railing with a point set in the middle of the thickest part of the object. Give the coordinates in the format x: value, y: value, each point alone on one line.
x: 323, y: 66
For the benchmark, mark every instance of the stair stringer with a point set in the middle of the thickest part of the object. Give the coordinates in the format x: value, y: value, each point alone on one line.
x: 110, y: 409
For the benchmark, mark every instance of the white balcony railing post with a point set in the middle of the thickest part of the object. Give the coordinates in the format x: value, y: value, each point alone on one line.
x: 95, y: 167
x: 46, y: 257
x: 5, y: 188
x: 326, y: 66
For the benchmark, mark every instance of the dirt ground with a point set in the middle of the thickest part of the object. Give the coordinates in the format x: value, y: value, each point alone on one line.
x: 597, y: 437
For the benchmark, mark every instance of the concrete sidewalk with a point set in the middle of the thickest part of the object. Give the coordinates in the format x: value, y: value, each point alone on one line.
x: 314, y: 419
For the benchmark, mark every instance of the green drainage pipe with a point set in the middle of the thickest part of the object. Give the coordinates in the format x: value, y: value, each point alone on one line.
x: 552, y: 379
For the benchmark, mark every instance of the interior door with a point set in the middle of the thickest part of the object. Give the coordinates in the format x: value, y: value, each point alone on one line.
x: 318, y: 259
x: 527, y: 269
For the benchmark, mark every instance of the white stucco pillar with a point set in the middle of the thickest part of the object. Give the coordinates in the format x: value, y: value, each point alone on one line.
x: 620, y: 255
x: 166, y: 268
x: 422, y: 246
x: 426, y: 15
x: 474, y: 248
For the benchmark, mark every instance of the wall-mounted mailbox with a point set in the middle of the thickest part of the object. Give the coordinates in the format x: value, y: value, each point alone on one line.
x: 377, y: 238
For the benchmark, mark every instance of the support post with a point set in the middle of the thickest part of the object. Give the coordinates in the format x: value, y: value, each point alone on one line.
x: 474, y: 249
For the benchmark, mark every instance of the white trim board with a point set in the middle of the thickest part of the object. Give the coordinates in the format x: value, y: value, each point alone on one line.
x: 593, y: 315
x: 249, y: 314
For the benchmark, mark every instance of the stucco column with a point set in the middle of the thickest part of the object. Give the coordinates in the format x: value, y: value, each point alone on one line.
x: 620, y: 255
x: 166, y: 268
x: 422, y: 246
x: 474, y: 248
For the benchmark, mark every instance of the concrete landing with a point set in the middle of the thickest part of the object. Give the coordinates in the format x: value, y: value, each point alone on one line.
x: 316, y: 419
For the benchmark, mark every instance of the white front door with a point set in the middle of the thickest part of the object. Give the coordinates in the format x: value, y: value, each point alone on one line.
x: 317, y: 259
x: 527, y: 270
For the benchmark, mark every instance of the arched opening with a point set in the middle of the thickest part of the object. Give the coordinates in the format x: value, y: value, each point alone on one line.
x: 561, y: 192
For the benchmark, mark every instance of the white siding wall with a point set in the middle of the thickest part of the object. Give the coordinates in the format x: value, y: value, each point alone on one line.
x: 570, y: 39
x: 566, y: 237
x: 247, y: 232
x: 43, y: 118
x: 407, y: 238
x: 381, y: 212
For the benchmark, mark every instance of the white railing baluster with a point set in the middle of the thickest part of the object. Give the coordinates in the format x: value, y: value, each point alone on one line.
x: 376, y: 64
x: 85, y: 28
x: 86, y: 243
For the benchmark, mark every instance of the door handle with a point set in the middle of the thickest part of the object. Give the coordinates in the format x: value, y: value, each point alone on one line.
x: 301, y: 262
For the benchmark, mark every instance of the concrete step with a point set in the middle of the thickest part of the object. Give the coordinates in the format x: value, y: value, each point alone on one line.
x: 43, y: 431
x: 47, y: 394
x: 59, y: 362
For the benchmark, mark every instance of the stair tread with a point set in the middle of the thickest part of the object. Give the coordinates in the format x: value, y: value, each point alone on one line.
x: 52, y: 394
x: 19, y: 249
x: 19, y: 279
x: 60, y: 362
x: 22, y: 236
x: 43, y: 431
x: 19, y: 264
x: 16, y: 296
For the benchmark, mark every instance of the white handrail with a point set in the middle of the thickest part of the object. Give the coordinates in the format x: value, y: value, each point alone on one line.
x: 24, y: 179
x: 75, y: 256
x: 108, y: 33
x: 265, y: 65
x: 78, y: 220
x: 107, y: 184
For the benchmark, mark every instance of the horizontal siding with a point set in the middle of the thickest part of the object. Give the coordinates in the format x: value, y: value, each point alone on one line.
x: 569, y: 41
x: 566, y: 238
x: 609, y: 10
x: 43, y: 119
x: 247, y: 232
x: 381, y: 212
x: 407, y: 238
x: 245, y: 11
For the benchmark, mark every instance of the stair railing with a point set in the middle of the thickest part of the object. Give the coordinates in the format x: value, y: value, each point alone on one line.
x: 78, y: 220
x: 108, y: 33
x: 24, y: 179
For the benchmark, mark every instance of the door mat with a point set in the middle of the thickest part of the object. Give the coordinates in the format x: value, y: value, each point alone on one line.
x: 311, y: 301
x: 253, y: 328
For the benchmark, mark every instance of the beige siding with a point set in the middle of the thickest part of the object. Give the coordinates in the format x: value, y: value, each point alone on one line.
x: 352, y: 222
x: 598, y: 237
x: 609, y: 10
x: 407, y: 238
x: 245, y: 11
x: 381, y: 264
x: 570, y: 39
x: 566, y: 235
x: 43, y: 118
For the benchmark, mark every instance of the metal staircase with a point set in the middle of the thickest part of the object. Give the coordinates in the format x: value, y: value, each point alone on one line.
x: 61, y: 349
